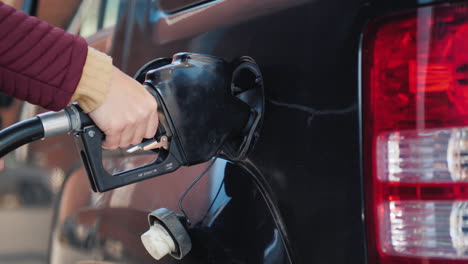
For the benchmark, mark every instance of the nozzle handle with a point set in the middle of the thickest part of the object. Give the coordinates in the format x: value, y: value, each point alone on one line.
x: 89, y: 143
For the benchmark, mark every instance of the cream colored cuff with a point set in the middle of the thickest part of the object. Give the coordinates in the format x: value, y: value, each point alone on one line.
x: 94, y: 82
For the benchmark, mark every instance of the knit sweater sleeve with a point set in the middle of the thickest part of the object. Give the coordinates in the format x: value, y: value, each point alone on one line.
x: 39, y: 63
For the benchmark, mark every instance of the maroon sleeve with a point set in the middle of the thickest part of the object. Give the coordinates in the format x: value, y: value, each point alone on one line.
x: 39, y: 63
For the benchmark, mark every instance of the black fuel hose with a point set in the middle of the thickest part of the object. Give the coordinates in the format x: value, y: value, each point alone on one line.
x: 19, y: 134
x: 44, y: 125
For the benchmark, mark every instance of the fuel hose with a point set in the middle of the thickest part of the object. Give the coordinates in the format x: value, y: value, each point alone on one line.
x: 44, y: 125
x: 19, y: 134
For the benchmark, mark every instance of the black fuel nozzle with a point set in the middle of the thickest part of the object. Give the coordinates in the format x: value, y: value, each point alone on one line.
x: 195, y: 95
x: 200, y: 117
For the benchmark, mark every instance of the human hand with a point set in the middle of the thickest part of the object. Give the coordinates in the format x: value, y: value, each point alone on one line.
x: 128, y: 113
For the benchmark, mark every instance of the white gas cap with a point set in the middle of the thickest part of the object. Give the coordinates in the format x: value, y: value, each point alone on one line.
x: 157, y: 241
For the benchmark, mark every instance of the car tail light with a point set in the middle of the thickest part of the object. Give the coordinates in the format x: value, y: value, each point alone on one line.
x: 415, y: 109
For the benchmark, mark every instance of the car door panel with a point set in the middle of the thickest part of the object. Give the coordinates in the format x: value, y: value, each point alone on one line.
x: 303, y: 203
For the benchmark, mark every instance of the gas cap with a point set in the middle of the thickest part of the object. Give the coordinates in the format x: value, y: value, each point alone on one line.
x: 166, y: 235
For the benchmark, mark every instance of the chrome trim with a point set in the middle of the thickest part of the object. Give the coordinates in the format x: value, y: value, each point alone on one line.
x: 74, y: 116
x: 55, y: 123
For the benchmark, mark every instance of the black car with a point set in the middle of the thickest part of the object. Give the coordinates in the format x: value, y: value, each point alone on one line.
x: 361, y: 158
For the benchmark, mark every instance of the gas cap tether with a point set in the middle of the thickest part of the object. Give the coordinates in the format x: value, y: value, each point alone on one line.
x: 166, y: 235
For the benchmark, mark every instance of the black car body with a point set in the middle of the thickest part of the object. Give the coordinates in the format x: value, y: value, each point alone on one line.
x: 300, y: 196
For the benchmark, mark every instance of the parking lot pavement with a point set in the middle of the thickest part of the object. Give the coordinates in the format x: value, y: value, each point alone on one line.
x: 24, y: 235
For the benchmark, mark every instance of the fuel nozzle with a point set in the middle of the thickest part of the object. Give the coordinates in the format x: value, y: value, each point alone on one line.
x: 199, y: 105
x: 203, y: 113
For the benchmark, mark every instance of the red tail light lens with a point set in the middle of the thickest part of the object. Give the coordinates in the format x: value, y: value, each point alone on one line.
x: 415, y: 98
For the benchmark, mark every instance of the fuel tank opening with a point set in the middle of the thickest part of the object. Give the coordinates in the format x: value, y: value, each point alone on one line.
x: 247, y: 86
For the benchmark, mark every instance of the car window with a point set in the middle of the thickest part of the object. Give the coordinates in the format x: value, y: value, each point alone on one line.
x: 99, y: 15
x: 111, y: 13
x: 90, y: 19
